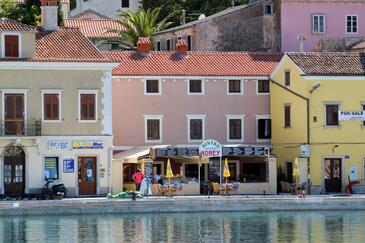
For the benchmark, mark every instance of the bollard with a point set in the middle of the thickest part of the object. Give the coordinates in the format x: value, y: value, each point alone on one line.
x: 133, y: 196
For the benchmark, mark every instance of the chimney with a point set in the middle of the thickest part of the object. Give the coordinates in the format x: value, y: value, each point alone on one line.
x: 183, y: 17
x: 143, y: 46
x: 49, y: 14
x: 182, y: 48
x: 301, y: 40
x: 232, y: 3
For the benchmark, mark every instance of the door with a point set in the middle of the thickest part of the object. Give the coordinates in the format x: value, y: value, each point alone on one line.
x: 14, y: 171
x: 332, y: 175
x: 87, y: 175
x: 14, y: 114
x: 289, y: 172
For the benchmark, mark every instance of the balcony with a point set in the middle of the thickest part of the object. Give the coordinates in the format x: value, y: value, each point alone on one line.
x: 21, y: 128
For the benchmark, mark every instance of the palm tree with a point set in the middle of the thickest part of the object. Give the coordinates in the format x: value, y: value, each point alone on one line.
x: 142, y: 23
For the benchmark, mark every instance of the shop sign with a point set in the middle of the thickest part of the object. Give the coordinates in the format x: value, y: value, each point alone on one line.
x: 353, y: 173
x: 58, y: 145
x: 68, y: 165
x: 351, y: 115
x: 210, y: 148
x: 87, y: 145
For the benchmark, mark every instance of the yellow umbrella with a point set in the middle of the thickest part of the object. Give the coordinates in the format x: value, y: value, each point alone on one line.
x: 296, y: 169
x: 226, y: 173
x: 169, y: 173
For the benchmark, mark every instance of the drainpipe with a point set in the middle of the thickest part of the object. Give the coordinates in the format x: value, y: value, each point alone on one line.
x: 308, y: 118
x: 110, y: 166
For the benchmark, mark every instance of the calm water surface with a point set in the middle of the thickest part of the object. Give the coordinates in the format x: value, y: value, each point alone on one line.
x: 331, y: 227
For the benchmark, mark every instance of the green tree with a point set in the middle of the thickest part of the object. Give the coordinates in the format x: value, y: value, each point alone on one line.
x: 27, y: 13
x: 142, y: 23
x: 193, y: 8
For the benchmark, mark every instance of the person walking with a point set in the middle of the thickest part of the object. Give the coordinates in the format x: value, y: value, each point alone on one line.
x: 138, y: 177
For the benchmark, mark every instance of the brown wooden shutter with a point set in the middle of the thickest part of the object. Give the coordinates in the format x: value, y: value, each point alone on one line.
x: 287, y: 117
x: 11, y: 46
x: 88, y: 107
x: 51, y: 107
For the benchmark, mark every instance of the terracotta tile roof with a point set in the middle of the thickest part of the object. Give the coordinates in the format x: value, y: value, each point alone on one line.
x: 330, y: 63
x: 62, y: 1
x: 94, y: 28
x: 195, y: 64
x: 9, y: 24
x: 89, y: 12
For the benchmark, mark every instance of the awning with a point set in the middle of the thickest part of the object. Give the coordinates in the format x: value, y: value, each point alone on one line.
x: 132, y: 155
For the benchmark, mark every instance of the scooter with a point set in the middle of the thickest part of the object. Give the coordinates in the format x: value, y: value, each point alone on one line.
x: 58, y: 191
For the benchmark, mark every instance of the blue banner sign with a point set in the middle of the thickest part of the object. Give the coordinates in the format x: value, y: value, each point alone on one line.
x: 68, y: 165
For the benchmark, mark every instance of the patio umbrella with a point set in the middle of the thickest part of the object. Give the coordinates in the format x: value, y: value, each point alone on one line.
x: 296, y: 170
x: 226, y: 173
x: 169, y: 173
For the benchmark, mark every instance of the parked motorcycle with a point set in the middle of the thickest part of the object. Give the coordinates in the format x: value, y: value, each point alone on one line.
x: 57, y: 191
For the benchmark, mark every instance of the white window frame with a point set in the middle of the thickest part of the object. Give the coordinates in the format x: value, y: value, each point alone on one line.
x: 357, y: 24
x: 203, y: 87
x: 152, y: 117
x: 14, y: 91
x: 272, y: 8
x: 241, y: 117
x: 324, y: 23
x: 20, y: 49
x: 241, y: 87
x: 200, y: 117
x: 79, y: 93
x: 325, y: 113
x: 159, y: 86
x: 259, y: 117
x: 59, y: 93
x: 257, y: 87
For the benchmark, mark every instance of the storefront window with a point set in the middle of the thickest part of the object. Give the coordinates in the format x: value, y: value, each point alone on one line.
x: 253, y: 172
x: 191, y: 171
x: 51, y: 167
x: 128, y: 171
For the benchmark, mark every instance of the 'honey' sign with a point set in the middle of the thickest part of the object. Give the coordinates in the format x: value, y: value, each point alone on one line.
x: 210, y: 148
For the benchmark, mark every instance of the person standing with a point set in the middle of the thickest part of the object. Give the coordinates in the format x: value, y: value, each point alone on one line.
x: 138, y: 177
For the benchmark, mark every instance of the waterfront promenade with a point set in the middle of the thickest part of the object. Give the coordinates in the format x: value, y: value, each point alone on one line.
x: 94, y: 206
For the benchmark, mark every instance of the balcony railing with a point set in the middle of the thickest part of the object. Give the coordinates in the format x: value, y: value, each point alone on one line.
x: 21, y: 128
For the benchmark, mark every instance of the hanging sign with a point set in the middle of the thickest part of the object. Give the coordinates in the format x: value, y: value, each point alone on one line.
x: 210, y: 148
x: 351, y: 115
x: 87, y: 145
x: 68, y: 165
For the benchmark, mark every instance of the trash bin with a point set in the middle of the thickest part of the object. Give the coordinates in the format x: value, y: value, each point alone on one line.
x: 133, y: 194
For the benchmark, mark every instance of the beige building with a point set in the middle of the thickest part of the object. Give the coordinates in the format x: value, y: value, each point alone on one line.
x: 55, y: 109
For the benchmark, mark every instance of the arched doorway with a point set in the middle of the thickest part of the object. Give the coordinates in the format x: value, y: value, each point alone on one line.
x: 14, y: 171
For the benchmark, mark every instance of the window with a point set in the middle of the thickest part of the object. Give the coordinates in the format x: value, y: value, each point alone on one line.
x: 332, y: 115
x: 352, y: 24
x: 263, y: 127
x: 168, y: 45
x: 196, y: 127
x: 263, y: 86
x: 234, y: 87
x: 253, y: 172
x: 152, y: 86
x: 268, y: 9
x: 128, y: 171
x: 88, y: 106
x: 318, y: 23
x: 51, y: 168
x: 125, y: 3
x: 287, y: 77
x: 51, y: 106
x: 153, y: 128
x: 11, y: 45
x: 189, y: 43
x: 235, y: 128
x: 158, y: 46
x: 114, y: 46
x: 287, y: 118
x: 195, y: 86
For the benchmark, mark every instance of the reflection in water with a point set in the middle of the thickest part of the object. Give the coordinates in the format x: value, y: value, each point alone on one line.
x: 198, y: 227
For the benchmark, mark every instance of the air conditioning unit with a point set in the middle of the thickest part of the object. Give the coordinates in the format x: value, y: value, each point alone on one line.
x: 304, y: 151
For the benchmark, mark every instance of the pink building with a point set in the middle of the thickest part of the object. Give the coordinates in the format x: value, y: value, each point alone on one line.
x: 325, y: 24
x: 168, y: 102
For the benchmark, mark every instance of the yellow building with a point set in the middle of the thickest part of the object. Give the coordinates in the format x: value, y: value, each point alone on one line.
x: 325, y: 90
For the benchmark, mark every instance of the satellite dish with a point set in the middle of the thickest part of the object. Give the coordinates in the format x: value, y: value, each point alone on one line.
x: 202, y: 16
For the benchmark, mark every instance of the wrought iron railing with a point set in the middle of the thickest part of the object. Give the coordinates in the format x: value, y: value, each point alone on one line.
x: 20, y: 128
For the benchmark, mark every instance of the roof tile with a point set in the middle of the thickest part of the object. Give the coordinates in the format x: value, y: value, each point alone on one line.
x: 195, y: 63
x: 95, y: 28
x: 12, y: 25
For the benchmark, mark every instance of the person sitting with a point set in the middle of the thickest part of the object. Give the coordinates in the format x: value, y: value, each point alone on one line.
x: 157, y: 179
